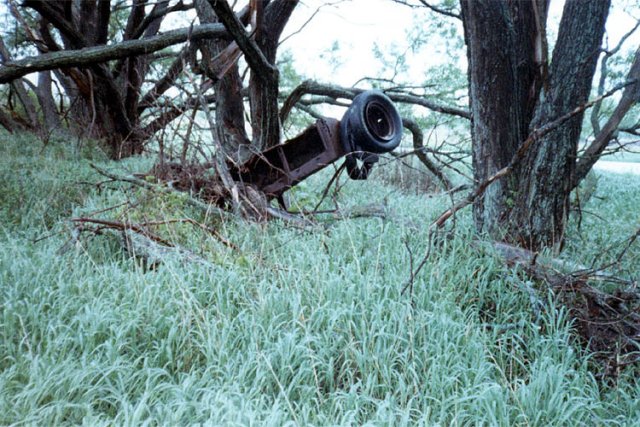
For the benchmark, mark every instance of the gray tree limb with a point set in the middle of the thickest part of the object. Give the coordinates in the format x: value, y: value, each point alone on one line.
x: 630, y: 96
x: 97, y: 54
x: 418, y: 145
x: 310, y: 87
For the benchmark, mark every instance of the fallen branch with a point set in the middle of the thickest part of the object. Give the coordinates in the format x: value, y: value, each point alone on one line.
x: 304, y: 219
x: 204, y: 207
x: 608, y: 324
x: 294, y: 219
x: 153, y: 253
x: 367, y: 211
x: 122, y: 226
x: 140, y: 242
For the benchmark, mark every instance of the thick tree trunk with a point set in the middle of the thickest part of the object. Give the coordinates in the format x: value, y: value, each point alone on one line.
x: 105, y: 98
x: 263, y: 92
x: 504, y: 82
x: 506, y: 45
x: 541, y: 205
x: 269, y: 19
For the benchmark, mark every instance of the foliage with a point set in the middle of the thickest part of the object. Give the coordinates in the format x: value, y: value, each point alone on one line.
x: 295, y: 327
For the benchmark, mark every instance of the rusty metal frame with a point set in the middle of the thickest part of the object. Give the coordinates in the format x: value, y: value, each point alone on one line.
x: 279, y: 168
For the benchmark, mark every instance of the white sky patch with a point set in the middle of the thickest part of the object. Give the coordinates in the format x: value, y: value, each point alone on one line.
x: 354, y: 26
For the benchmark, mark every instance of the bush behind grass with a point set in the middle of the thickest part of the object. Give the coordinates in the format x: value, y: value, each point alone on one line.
x: 296, y: 328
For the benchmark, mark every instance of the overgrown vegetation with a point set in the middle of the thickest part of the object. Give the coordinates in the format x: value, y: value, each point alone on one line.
x: 288, y: 326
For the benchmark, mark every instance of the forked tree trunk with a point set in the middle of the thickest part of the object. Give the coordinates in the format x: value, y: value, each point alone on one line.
x: 512, y: 93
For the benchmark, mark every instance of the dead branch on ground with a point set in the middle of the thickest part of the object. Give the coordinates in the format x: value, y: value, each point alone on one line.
x: 138, y: 240
x: 607, y: 323
x: 208, y: 208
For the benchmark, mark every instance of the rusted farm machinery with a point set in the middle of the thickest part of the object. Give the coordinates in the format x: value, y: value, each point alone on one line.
x: 370, y: 126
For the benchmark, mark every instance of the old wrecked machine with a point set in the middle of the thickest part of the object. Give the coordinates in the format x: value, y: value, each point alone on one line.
x: 370, y: 126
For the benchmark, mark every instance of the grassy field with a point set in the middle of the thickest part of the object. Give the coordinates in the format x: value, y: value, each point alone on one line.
x: 291, y: 327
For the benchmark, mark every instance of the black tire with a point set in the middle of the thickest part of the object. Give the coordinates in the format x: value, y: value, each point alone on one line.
x: 372, y: 124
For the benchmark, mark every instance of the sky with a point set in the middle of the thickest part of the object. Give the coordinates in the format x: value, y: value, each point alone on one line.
x: 356, y: 25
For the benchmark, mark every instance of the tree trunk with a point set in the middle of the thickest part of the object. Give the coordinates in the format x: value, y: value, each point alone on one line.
x: 511, y: 94
x: 263, y: 92
x: 45, y: 99
x: 229, y: 112
x: 541, y: 205
x: 504, y: 83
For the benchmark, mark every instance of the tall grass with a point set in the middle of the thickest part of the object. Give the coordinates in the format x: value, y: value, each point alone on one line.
x: 296, y: 327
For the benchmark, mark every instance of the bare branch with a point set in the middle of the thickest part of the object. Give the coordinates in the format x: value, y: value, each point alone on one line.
x: 440, y: 10
x: 254, y: 56
x: 436, y: 9
x: 633, y: 130
x: 314, y: 88
x: 630, y: 96
x: 98, y: 54
x: 595, y: 113
x: 418, y: 145
x: 313, y: 15
x: 166, y: 81
x: 158, y: 12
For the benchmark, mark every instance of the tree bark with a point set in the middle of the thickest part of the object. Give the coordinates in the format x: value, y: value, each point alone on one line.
x: 541, y: 203
x: 260, y: 53
x: 511, y: 95
x: 45, y: 99
x: 263, y: 93
x: 504, y: 83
